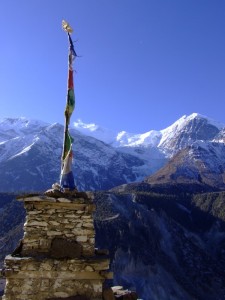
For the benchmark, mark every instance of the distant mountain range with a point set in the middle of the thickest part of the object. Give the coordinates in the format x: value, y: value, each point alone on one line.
x: 192, y: 127
x: 190, y: 150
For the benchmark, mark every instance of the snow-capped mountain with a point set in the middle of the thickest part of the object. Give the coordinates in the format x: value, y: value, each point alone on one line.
x: 157, y: 148
x: 119, y: 139
x: 30, y: 152
x: 103, y: 134
x: 15, y: 127
x: 187, y: 129
x: 30, y: 158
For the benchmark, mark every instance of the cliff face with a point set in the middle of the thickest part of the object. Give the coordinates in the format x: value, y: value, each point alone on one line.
x: 164, y: 246
x: 201, y: 163
x: 12, y: 217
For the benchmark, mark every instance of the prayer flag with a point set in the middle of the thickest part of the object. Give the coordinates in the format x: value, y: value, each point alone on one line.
x: 67, y: 178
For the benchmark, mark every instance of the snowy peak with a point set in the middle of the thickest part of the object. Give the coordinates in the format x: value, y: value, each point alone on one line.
x: 91, y: 129
x: 184, y: 120
x: 14, y: 127
x: 121, y: 139
x: 183, y: 132
x: 187, y: 130
x: 19, y: 123
x: 125, y: 139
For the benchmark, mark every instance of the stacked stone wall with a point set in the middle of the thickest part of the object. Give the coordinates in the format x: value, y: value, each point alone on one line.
x: 56, y: 258
x: 52, y: 218
x: 47, y: 278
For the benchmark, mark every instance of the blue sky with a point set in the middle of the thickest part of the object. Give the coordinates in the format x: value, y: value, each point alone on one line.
x: 143, y: 64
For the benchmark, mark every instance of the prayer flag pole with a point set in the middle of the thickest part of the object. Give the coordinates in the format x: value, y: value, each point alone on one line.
x: 67, y: 178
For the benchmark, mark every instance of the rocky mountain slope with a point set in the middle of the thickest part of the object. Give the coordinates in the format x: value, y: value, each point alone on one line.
x: 167, y: 246
x: 30, y: 158
x: 12, y: 216
x: 202, y: 163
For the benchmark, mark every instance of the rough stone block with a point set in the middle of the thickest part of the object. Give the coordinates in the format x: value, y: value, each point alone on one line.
x: 88, y: 225
x: 81, y: 238
x: 65, y: 248
x: 53, y: 233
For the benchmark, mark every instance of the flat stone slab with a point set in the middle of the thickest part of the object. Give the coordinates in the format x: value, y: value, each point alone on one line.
x: 58, y: 196
x: 15, y: 263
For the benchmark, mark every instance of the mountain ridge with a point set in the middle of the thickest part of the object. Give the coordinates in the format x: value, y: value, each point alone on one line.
x: 30, y: 154
x: 151, y: 137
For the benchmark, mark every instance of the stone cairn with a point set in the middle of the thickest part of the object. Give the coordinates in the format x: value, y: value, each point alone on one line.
x: 56, y: 258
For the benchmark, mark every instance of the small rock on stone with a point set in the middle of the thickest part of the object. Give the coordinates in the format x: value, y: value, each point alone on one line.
x: 108, y: 294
